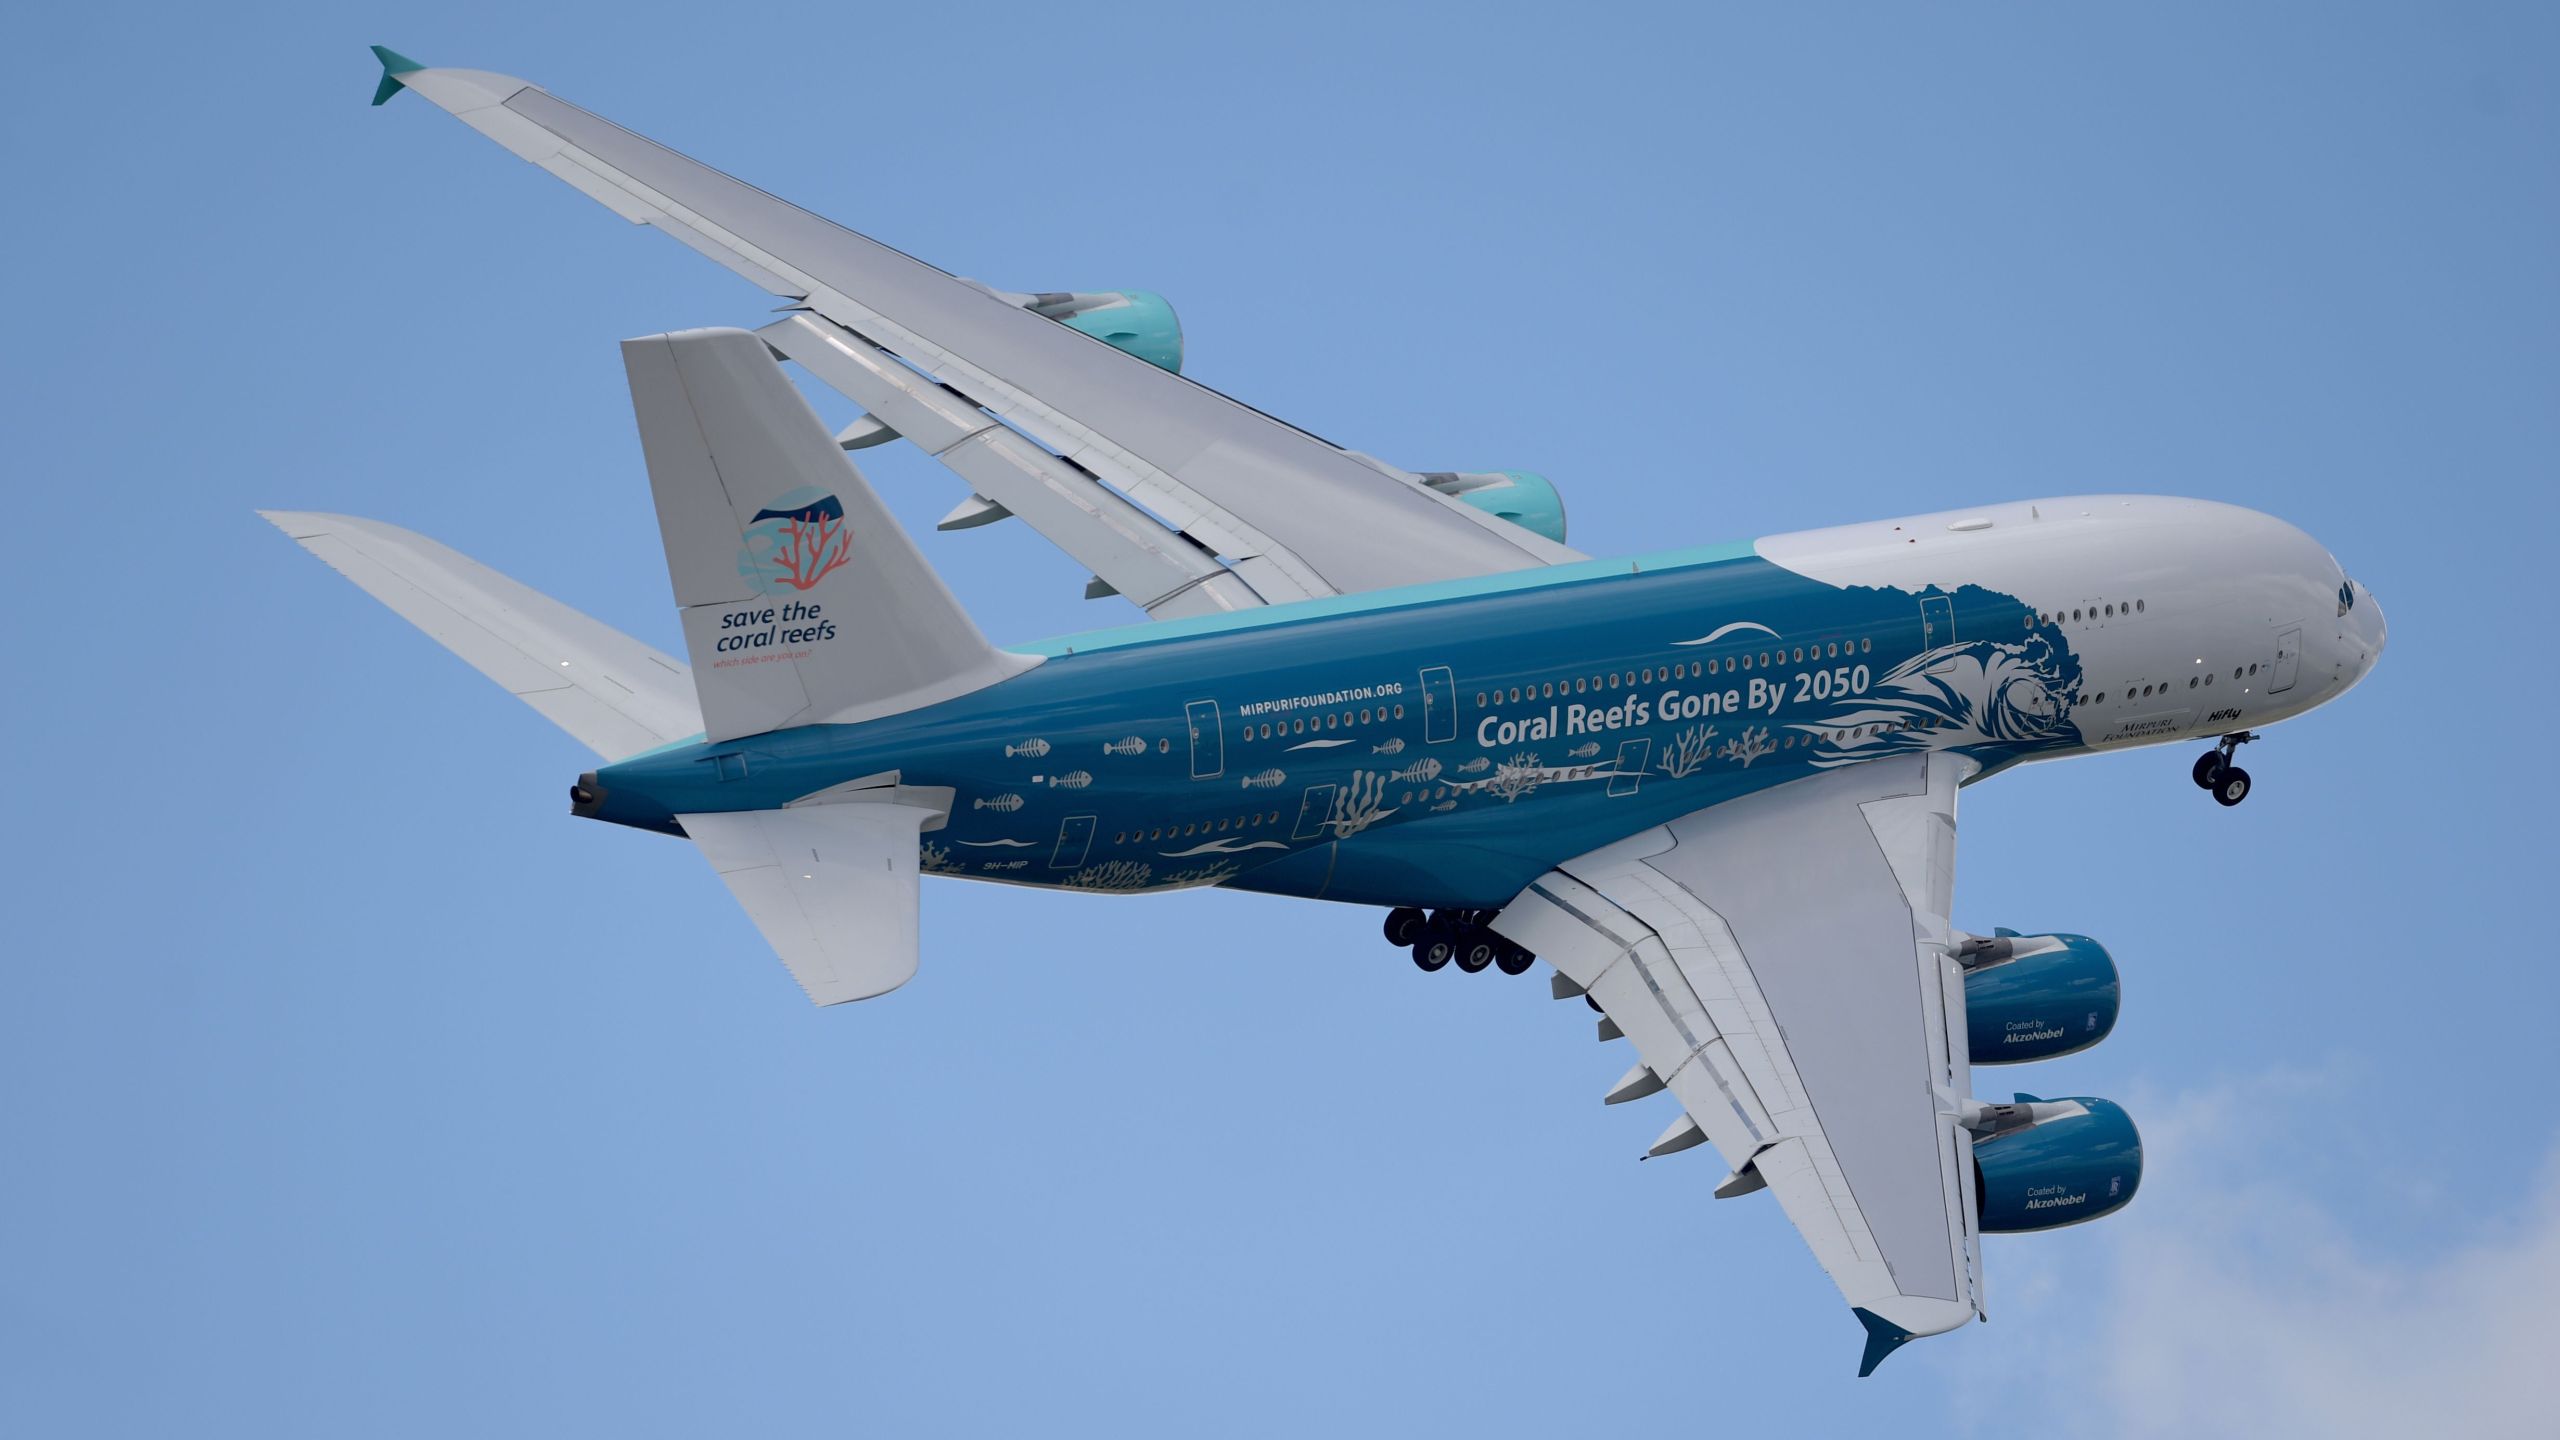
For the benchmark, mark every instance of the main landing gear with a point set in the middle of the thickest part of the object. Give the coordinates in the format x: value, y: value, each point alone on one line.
x: 2215, y: 772
x: 1462, y: 936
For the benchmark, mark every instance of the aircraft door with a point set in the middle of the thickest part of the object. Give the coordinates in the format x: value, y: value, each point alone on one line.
x: 1628, y: 773
x: 1937, y: 625
x: 1313, y: 811
x: 1208, y: 740
x: 2288, y: 661
x: 1439, y: 705
x: 1075, y: 838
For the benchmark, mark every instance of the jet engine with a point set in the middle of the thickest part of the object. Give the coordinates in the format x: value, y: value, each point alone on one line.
x: 2032, y: 997
x: 1523, y: 497
x: 2044, y: 1164
x: 1138, y: 321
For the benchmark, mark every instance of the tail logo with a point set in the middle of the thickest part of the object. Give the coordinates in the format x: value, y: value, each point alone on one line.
x: 795, y: 542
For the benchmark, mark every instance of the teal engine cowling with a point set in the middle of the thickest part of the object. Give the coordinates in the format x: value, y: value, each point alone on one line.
x: 1138, y: 321
x: 2056, y: 1163
x: 1523, y: 497
x: 2032, y: 997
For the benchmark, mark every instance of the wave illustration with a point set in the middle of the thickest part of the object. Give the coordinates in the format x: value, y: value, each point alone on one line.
x: 1722, y: 631
x: 1006, y: 844
x: 1318, y: 744
x: 2017, y: 696
x: 1229, y: 846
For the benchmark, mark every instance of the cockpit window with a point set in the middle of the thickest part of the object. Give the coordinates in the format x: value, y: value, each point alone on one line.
x: 2346, y: 596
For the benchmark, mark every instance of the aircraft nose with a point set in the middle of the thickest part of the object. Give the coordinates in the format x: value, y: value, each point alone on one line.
x: 2364, y: 631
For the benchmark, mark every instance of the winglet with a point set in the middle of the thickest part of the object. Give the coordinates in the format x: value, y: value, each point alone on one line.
x: 1883, y: 1338
x: 394, y: 65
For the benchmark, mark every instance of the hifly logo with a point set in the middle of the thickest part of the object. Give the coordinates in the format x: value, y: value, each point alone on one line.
x: 795, y: 542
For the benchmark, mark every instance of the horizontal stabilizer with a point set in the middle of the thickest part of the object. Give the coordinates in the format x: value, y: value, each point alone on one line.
x: 616, y: 695
x: 833, y: 888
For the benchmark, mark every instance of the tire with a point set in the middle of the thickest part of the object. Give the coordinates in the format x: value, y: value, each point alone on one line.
x: 1476, y: 952
x: 2231, y: 786
x: 2208, y: 766
x: 1514, y: 960
x: 1404, y: 925
x: 1432, y: 952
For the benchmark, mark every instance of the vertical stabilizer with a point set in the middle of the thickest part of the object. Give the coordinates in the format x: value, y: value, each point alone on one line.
x: 803, y: 600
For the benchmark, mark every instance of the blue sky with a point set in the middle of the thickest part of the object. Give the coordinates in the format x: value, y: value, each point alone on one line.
x: 348, y: 1086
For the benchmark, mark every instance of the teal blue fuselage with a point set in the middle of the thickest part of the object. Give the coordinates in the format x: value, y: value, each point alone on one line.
x: 1437, y: 746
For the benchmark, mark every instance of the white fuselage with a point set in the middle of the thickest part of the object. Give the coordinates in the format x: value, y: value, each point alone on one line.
x: 2189, y: 617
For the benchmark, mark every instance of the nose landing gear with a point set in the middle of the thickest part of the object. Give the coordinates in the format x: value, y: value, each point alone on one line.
x: 1460, y: 935
x: 2214, y: 771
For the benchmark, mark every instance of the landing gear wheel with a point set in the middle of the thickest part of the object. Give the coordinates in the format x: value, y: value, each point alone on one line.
x: 1432, y: 952
x: 1404, y: 925
x: 1513, y: 959
x: 1476, y: 952
x: 2231, y: 786
x: 2208, y: 766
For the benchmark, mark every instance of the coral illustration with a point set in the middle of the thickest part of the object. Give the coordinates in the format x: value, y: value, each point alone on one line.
x: 1113, y: 875
x: 932, y: 859
x: 1687, y: 751
x: 1218, y: 874
x: 809, y: 548
x: 1358, y: 805
x: 1516, y: 777
x: 1750, y: 745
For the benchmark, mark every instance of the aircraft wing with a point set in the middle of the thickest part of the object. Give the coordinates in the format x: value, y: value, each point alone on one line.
x: 1180, y: 498
x: 1782, y: 963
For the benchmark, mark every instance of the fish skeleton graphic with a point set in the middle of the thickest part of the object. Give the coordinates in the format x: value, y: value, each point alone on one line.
x: 1473, y: 766
x: 1128, y: 745
x: 1583, y: 751
x: 1033, y: 748
x: 1387, y: 747
x: 1265, y: 779
x: 1072, y: 780
x: 1000, y: 803
x: 1419, y: 772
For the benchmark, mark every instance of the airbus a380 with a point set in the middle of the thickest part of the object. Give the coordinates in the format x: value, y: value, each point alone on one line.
x: 1714, y: 789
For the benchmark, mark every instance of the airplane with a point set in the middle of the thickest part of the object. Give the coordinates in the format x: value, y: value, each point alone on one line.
x: 1713, y: 788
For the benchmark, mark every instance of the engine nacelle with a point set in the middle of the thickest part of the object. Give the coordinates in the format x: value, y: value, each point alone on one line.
x: 1523, y: 497
x: 2032, y: 997
x: 2074, y: 1160
x: 1138, y: 321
